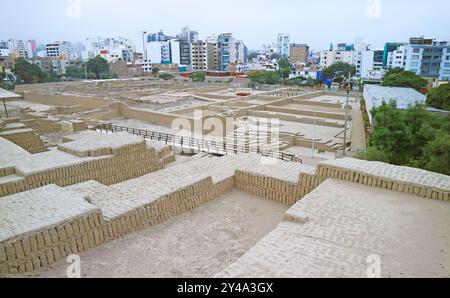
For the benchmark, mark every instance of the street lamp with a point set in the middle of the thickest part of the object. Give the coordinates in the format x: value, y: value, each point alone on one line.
x: 346, y: 112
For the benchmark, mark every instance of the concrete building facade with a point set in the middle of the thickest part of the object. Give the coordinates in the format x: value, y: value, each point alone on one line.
x: 429, y: 58
x: 299, y: 53
x: 284, y: 44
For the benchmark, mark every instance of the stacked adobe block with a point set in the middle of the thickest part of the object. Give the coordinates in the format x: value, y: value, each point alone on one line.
x: 403, y: 179
x: 25, y: 138
x: 119, y: 159
x: 30, y: 239
x: 279, y: 181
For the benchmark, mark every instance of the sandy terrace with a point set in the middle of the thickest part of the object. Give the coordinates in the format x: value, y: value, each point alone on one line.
x: 200, y: 243
x: 314, y: 108
x: 339, y: 228
x: 40, y: 208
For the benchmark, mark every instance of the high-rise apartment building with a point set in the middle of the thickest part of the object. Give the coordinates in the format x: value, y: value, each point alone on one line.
x: 21, y: 48
x: 284, y: 44
x: 227, y: 51
x: 428, y: 58
x: 199, y: 56
x: 188, y: 35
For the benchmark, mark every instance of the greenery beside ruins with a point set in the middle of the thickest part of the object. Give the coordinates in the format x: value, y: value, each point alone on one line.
x: 198, y: 77
x: 439, y: 97
x: 412, y: 137
x: 408, y: 79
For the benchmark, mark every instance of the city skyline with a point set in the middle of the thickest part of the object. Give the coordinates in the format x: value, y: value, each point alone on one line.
x: 255, y: 22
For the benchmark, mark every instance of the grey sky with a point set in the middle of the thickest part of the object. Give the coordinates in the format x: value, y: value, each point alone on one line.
x: 316, y: 22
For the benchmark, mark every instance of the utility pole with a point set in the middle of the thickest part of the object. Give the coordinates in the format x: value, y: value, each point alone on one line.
x: 346, y: 112
x: 144, y: 54
x: 314, y: 137
x: 6, y: 110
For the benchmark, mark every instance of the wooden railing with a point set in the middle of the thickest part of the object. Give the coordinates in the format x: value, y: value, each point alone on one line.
x: 199, y: 145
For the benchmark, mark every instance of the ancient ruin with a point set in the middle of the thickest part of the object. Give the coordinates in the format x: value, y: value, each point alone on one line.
x: 86, y: 164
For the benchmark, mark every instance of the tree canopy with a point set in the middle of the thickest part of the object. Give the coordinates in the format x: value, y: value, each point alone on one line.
x: 253, y: 55
x: 166, y: 76
x: 439, y: 97
x: 198, y: 77
x: 393, y: 71
x: 264, y: 77
x: 284, y: 68
x: 275, y: 56
x: 404, y: 79
x: 412, y: 137
x: 76, y: 72
x: 98, y: 66
x: 27, y: 72
x: 338, y: 72
x: 155, y: 71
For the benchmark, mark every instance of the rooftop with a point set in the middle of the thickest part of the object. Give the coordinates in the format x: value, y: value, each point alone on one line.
x: 404, y: 96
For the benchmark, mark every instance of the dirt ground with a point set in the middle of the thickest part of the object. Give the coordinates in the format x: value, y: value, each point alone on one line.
x: 196, y: 244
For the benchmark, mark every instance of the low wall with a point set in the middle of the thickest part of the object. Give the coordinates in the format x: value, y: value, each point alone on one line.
x: 45, y: 247
x: 25, y: 138
x: 87, y: 102
x: 308, y: 113
x: 362, y: 174
x: 128, y: 163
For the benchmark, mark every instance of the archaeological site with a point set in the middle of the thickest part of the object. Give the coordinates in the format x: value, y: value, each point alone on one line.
x: 148, y: 178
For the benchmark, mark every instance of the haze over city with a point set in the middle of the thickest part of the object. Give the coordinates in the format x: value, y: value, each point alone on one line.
x: 257, y: 22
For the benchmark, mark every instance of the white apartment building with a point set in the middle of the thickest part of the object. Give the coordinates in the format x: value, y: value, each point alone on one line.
x: 330, y: 57
x: 371, y: 64
x: 4, y: 52
x: 269, y: 50
x: 397, y: 58
x: 428, y: 58
x: 22, y: 48
x: 64, y: 50
x: 240, y: 52
x: 199, y: 56
x: 111, y: 49
x: 284, y: 44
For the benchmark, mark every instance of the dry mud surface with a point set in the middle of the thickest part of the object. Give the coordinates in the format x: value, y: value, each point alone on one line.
x: 200, y: 243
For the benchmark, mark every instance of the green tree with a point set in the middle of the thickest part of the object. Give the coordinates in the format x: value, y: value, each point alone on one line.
x: 411, y: 137
x: 252, y: 56
x: 439, y: 97
x: 264, y: 77
x: 338, y: 72
x: 393, y: 70
x: 98, y: 66
x: 166, y: 76
x: 155, y: 71
x: 28, y: 73
x: 198, y: 77
x: 76, y: 72
x: 275, y: 56
x: 405, y: 79
x: 437, y: 154
x: 284, y: 68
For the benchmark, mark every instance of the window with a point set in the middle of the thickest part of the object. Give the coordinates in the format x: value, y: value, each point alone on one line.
x: 414, y: 64
x: 447, y: 72
x: 415, y: 57
x: 447, y: 64
x: 416, y: 51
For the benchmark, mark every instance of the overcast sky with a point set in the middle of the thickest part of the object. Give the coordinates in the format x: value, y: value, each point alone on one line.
x: 257, y: 22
